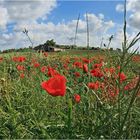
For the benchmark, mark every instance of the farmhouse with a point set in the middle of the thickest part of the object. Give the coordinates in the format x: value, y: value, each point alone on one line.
x: 46, y: 48
x: 49, y: 46
x: 58, y: 49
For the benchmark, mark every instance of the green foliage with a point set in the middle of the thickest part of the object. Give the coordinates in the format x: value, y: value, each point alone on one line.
x: 28, y: 112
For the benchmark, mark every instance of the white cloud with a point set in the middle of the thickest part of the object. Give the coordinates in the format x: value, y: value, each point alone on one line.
x: 3, y: 17
x: 134, y: 18
x: 28, y: 10
x: 21, y: 12
x: 120, y: 8
x: 61, y: 32
x: 133, y: 7
x: 25, y: 14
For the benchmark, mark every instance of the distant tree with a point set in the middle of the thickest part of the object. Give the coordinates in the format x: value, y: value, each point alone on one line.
x: 118, y: 49
x: 111, y: 49
x: 50, y: 42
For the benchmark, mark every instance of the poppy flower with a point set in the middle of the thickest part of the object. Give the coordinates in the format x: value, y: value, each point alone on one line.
x: 20, y: 68
x: 43, y: 69
x: 19, y: 59
x: 77, y: 74
x: 77, y: 64
x: 122, y: 77
x: 65, y: 66
x: 45, y: 54
x: 22, y: 75
x: 132, y: 84
x: 77, y: 98
x: 85, y: 60
x: 55, y: 86
x: 98, y: 65
x: 85, y: 68
x: 1, y: 59
x: 51, y: 71
x: 93, y: 85
x: 96, y: 72
x: 36, y: 65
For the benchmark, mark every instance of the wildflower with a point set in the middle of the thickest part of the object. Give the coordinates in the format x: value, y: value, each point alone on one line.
x: 97, y: 65
x: 93, y: 85
x: 122, y: 76
x: 43, y: 69
x: 85, y: 68
x: 78, y: 64
x: 51, y: 71
x: 96, y: 72
x: 1, y: 59
x: 36, y: 65
x: 19, y: 59
x: 65, y: 66
x: 45, y: 54
x: 132, y: 84
x: 77, y: 74
x: 77, y: 98
x: 55, y: 86
x: 119, y: 67
x: 22, y: 75
x: 20, y: 67
x: 85, y: 60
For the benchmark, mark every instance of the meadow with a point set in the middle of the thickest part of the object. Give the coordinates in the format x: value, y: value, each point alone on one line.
x: 70, y: 95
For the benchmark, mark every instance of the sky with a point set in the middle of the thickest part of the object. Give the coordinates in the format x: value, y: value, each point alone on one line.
x: 56, y: 19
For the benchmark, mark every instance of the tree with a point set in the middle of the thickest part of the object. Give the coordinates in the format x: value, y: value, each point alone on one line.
x: 50, y: 42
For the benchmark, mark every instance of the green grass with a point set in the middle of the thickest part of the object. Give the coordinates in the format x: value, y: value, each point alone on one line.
x: 29, y: 112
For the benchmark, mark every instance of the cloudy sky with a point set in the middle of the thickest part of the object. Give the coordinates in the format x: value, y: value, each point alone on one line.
x: 54, y: 19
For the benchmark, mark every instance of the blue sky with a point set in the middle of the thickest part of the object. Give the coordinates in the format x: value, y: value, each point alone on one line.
x: 54, y: 19
x: 68, y: 10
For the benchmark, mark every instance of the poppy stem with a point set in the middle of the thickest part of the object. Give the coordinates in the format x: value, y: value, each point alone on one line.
x: 69, y: 117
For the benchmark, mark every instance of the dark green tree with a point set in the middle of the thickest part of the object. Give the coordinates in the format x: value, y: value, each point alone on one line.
x: 50, y: 42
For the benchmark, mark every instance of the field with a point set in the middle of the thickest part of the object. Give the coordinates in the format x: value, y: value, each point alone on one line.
x: 69, y: 95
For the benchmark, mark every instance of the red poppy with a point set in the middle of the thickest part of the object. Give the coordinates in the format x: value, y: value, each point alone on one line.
x: 110, y: 70
x: 43, y: 69
x: 45, y: 54
x: 131, y: 84
x: 78, y: 64
x: 85, y: 68
x: 20, y: 68
x: 55, y: 86
x: 93, y: 85
x: 98, y: 65
x: 14, y: 59
x: 122, y: 76
x: 52, y: 72
x: 77, y: 98
x: 1, y: 59
x: 96, y: 72
x: 36, y: 65
x: 119, y: 67
x: 66, y: 66
x: 77, y: 74
x: 22, y: 75
x: 19, y: 59
x: 85, y: 60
